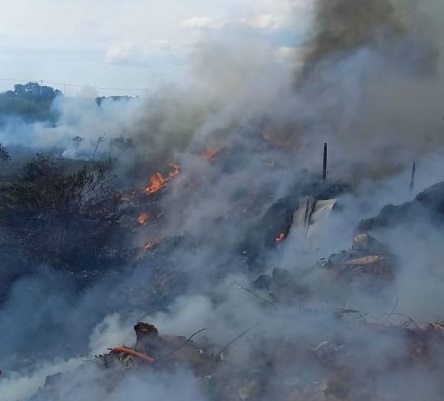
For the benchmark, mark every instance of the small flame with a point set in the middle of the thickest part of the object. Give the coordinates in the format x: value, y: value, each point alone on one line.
x: 280, y: 238
x: 158, y: 181
x: 143, y: 218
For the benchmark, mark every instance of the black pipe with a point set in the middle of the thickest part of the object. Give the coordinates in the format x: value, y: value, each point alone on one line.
x: 324, y: 167
x: 412, y: 176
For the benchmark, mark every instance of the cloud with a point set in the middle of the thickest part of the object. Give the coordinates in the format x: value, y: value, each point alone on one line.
x: 128, y: 52
x: 108, y: 45
x: 261, y: 21
x: 290, y: 53
x: 202, y: 23
x: 119, y: 51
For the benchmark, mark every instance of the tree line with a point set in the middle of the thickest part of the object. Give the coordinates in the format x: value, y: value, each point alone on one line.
x: 29, y: 102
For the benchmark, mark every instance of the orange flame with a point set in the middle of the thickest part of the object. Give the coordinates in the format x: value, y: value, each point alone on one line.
x: 158, y: 181
x: 143, y: 218
x: 280, y: 237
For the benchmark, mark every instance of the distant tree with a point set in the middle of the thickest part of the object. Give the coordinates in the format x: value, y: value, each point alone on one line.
x: 99, y: 100
x: 33, y: 90
x: 30, y: 102
x: 9, y: 94
x: 77, y: 140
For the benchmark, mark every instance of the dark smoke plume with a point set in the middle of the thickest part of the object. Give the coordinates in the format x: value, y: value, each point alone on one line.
x: 344, y: 25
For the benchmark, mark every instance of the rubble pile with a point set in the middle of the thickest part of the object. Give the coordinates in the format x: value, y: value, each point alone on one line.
x: 358, y: 360
x: 163, y: 351
x: 367, y: 257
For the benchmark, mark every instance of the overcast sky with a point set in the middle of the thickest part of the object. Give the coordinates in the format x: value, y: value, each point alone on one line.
x: 131, y: 43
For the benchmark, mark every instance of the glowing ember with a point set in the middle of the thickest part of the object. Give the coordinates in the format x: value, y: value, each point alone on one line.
x: 280, y: 238
x: 158, y: 181
x: 143, y: 218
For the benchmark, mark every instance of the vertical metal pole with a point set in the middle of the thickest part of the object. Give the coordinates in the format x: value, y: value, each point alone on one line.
x: 412, y: 176
x: 324, y: 167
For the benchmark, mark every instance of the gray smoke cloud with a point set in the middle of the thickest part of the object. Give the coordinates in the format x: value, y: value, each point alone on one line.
x: 371, y: 81
x: 345, y: 26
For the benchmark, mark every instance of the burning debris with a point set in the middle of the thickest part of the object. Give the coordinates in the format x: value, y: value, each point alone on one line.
x: 143, y: 218
x: 158, y: 181
x: 280, y: 237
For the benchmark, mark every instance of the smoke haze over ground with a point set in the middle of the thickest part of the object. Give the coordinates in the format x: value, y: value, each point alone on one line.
x: 368, y: 80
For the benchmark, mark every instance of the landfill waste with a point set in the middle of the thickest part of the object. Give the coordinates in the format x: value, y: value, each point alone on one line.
x: 326, y: 366
x: 336, y: 353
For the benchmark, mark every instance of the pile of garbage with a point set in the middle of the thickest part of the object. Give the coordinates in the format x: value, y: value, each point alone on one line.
x: 302, y: 349
x: 352, y: 362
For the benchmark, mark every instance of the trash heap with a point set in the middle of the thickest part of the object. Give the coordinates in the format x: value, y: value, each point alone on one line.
x: 351, y: 362
x: 303, y: 349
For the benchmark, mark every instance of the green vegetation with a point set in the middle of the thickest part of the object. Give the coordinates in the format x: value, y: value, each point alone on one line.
x: 27, y: 109
x: 30, y: 102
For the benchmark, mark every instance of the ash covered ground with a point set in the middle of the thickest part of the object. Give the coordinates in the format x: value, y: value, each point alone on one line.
x: 196, y: 251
